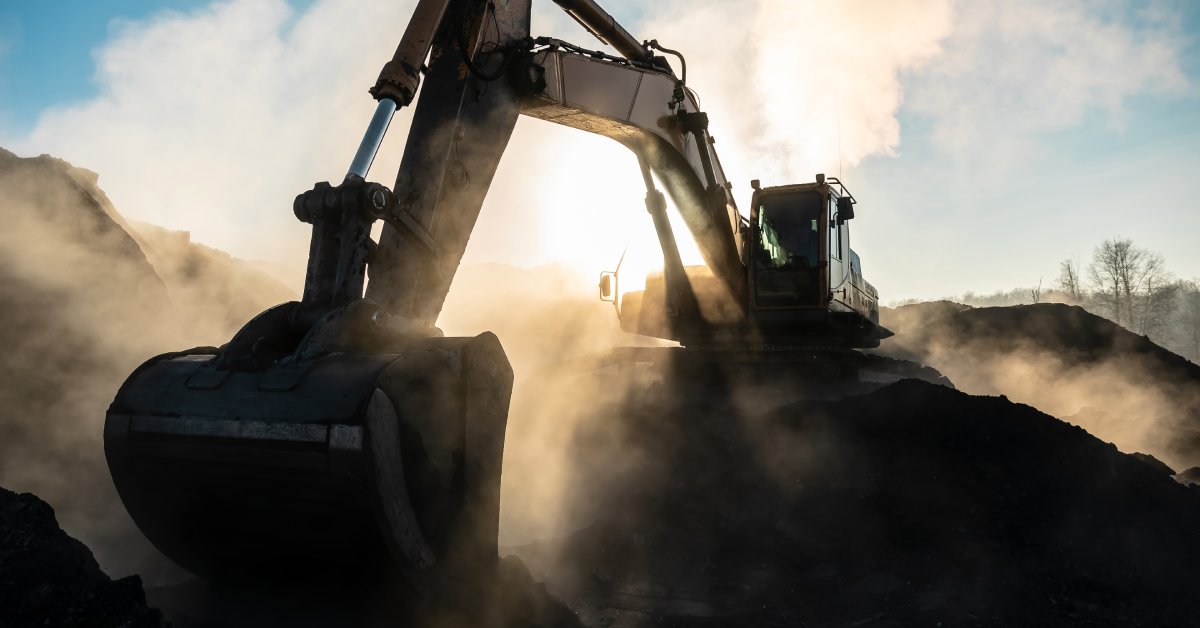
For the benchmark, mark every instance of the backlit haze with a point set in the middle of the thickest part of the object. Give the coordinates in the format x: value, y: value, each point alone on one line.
x: 984, y: 141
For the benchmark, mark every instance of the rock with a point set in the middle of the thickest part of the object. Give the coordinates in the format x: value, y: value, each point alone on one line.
x: 49, y: 579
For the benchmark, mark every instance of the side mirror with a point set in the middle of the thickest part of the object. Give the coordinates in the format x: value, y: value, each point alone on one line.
x: 845, y: 209
x: 608, y: 286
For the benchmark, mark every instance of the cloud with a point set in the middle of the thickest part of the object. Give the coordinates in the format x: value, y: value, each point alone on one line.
x: 1011, y: 73
x: 802, y: 87
x: 212, y: 120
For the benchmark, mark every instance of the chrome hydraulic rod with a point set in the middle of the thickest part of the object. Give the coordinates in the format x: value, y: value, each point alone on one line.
x: 372, y: 138
x: 399, y: 79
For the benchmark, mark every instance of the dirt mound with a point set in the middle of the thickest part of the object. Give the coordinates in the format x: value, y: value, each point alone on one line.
x: 1066, y: 329
x: 49, y: 579
x: 68, y: 263
x: 907, y: 318
x: 213, y: 291
x: 1154, y: 463
x: 1073, y: 364
x: 82, y: 306
x: 913, y: 505
x: 1189, y: 477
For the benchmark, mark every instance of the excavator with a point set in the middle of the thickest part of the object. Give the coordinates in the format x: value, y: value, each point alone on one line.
x: 343, y: 434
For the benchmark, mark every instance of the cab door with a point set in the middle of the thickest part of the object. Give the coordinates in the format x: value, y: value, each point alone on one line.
x: 789, y: 248
x: 834, y: 240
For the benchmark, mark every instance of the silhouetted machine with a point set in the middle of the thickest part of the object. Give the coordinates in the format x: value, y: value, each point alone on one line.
x: 342, y: 431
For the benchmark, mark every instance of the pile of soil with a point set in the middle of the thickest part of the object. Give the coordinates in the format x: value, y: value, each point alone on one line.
x: 79, y: 305
x: 1068, y: 330
x: 84, y: 299
x: 49, y: 579
x: 912, y: 505
x: 1062, y: 359
x: 905, y: 319
x: 212, y: 291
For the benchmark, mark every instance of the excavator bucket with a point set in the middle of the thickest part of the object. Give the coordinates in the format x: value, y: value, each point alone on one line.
x: 341, y: 467
x: 341, y: 437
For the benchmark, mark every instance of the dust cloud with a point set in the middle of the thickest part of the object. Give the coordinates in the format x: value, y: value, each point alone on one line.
x: 556, y: 333
x: 91, y: 296
x: 84, y: 305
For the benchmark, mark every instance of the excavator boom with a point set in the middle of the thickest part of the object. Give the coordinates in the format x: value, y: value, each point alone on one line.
x: 466, y: 115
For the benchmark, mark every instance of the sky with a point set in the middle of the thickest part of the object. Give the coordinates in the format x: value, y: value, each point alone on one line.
x: 985, y: 141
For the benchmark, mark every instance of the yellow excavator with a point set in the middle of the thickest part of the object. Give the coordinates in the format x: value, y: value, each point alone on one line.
x: 342, y: 434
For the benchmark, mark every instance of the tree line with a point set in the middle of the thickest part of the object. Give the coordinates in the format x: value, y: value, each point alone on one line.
x: 1126, y: 284
x: 1132, y: 287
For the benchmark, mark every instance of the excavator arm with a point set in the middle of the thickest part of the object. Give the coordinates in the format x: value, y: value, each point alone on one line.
x: 466, y: 114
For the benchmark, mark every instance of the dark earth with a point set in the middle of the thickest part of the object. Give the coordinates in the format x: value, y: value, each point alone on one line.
x: 49, y: 579
x: 912, y: 505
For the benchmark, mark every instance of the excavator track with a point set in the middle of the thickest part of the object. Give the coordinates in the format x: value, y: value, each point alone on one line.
x: 772, y: 375
x: 827, y: 363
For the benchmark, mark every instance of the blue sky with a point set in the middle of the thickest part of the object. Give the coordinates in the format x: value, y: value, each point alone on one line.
x: 1005, y: 138
x: 46, y: 49
x: 46, y: 59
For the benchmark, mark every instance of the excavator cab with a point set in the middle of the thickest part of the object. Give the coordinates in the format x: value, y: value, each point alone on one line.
x: 805, y: 280
x: 804, y: 284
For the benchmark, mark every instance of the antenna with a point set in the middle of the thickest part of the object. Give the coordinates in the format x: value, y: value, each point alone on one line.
x: 837, y: 103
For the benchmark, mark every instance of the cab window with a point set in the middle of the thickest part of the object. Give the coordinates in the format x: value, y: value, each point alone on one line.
x: 788, y: 255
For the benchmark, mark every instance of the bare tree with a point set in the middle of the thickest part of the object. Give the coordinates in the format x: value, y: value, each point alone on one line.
x: 1154, y: 301
x: 1069, y: 282
x: 1036, y: 293
x: 1189, y: 317
x: 1109, y: 272
x: 1131, y: 285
